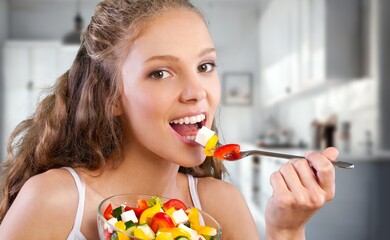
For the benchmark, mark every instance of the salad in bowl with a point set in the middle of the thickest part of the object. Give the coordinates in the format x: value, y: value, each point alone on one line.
x: 134, y: 216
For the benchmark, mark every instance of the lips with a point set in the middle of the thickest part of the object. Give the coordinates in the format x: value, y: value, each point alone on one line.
x: 188, y: 126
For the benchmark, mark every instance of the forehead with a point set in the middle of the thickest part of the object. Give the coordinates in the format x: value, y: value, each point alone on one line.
x: 175, y: 30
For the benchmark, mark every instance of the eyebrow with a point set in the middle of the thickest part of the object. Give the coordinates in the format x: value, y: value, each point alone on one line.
x: 206, y: 51
x: 176, y: 59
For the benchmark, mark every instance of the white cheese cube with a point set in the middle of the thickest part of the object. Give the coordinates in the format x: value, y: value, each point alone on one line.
x: 158, y: 233
x: 111, y: 221
x: 129, y: 215
x: 194, y: 234
x: 180, y: 216
x: 203, y: 136
x: 147, y: 230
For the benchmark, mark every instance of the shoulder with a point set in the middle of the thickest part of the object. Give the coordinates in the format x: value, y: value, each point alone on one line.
x: 224, y: 202
x: 53, y: 187
x: 215, y: 187
x: 46, y: 199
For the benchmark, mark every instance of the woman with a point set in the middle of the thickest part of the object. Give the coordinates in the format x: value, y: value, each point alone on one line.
x: 108, y: 126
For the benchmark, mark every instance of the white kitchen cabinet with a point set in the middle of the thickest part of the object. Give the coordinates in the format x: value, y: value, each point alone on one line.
x: 332, y: 35
x: 30, y: 67
x: 279, y: 38
x: 306, y: 43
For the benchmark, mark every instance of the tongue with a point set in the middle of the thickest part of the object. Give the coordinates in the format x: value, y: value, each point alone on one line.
x: 185, y: 129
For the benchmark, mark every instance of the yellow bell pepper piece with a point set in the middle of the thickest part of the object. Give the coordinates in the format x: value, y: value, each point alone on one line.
x: 210, y: 145
x: 176, y: 232
x: 205, y: 230
x: 147, y: 215
x: 164, y: 236
x: 138, y: 233
x: 121, y: 226
x: 193, y: 217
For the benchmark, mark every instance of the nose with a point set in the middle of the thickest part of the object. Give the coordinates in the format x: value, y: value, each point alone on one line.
x: 193, y: 90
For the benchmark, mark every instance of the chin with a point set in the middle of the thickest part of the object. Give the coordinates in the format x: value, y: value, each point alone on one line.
x: 194, y: 162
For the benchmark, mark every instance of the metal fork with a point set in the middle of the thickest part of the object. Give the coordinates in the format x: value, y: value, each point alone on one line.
x: 338, y: 164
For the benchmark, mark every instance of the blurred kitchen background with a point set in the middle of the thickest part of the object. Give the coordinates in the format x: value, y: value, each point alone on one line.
x: 296, y: 75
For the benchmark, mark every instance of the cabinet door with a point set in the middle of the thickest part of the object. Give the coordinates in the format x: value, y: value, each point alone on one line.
x: 44, y: 65
x: 17, y: 94
x: 67, y: 54
x: 29, y: 69
x: 268, y: 166
x: 16, y: 67
x: 279, y: 47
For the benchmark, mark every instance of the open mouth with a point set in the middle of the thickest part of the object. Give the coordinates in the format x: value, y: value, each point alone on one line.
x: 188, y: 126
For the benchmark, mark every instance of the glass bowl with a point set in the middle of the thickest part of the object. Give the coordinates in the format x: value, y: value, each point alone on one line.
x: 107, y: 229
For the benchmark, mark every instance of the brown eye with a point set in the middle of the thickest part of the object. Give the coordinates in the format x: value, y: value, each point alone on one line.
x: 160, y: 74
x: 206, y: 67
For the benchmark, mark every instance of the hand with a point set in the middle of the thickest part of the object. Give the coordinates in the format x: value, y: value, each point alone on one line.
x: 300, y: 188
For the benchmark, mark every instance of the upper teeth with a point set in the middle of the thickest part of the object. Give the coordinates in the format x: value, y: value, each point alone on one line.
x: 190, y: 120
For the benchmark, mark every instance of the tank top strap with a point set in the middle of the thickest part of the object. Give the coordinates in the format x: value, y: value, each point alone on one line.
x: 76, y: 231
x: 193, y: 186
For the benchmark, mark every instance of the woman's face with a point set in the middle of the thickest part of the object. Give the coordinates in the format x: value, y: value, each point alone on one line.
x: 169, y: 77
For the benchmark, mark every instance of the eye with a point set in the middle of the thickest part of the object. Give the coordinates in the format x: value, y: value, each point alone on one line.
x: 206, y: 67
x: 160, y: 74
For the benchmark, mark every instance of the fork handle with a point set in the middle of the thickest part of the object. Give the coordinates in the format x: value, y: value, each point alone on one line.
x: 339, y: 164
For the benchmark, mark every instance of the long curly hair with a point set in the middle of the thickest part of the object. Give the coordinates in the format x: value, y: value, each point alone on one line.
x: 75, y: 124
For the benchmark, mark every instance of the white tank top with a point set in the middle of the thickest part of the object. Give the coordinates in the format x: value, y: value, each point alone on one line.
x: 76, y: 234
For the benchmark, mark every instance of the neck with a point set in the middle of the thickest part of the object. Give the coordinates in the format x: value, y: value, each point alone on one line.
x: 140, y: 173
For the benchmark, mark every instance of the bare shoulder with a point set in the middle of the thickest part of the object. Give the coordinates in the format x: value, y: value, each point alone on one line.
x: 52, y: 187
x: 224, y: 202
x: 46, y: 199
x: 225, y: 191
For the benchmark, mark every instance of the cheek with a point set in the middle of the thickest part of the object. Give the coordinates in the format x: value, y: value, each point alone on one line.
x: 142, y: 106
x: 215, y: 93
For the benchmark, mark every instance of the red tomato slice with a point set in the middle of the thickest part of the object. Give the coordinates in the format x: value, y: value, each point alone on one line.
x: 108, y: 212
x: 228, y: 152
x: 141, y: 206
x: 161, y: 220
x: 176, y: 203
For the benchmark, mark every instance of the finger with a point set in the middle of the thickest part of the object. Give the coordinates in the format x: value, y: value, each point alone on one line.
x: 278, y: 184
x: 331, y: 153
x: 305, y: 173
x: 291, y: 177
x: 324, y: 170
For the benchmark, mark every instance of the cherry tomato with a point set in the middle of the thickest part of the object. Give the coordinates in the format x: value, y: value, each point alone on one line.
x: 228, y: 152
x: 176, y: 203
x: 141, y: 206
x: 161, y: 220
x: 108, y: 212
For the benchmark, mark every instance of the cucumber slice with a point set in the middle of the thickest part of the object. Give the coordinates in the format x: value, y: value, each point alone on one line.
x: 181, y: 238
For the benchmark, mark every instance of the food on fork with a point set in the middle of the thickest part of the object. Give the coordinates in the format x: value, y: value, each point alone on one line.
x: 209, y: 140
x: 228, y: 152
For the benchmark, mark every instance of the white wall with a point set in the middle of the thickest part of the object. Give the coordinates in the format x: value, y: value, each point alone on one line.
x: 233, y: 26
x: 3, y: 37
